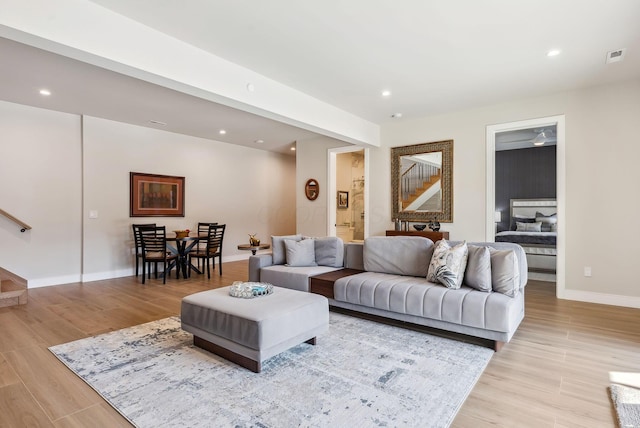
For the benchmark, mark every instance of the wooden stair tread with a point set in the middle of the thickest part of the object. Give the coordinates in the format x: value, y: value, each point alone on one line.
x: 11, y: 294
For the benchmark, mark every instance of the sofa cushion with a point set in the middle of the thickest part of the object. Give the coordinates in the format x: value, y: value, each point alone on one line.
x: 300, y: 253
x: 505, y: 275
x: 421, y: 298
x: 448, y: 264
x: 277, y: 248
x: 329, y: 251
x: 402, y: 255
x: 478, y: 272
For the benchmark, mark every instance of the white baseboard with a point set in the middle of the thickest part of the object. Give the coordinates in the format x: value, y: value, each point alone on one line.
x: 58, y: 280
x: 99, y: 276
x: 601, y: 298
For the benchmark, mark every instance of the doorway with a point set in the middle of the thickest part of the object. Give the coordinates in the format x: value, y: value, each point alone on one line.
x: 493, y: 137
x: 347, y: 196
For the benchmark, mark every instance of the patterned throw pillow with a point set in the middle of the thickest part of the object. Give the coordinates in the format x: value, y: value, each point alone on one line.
x: 448, y: 264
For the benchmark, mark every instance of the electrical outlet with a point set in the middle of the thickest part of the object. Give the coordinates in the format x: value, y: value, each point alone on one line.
x: 587, y: 271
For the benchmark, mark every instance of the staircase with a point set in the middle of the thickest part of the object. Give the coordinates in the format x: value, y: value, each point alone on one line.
x: 419, y: 190
x: 13, y: 289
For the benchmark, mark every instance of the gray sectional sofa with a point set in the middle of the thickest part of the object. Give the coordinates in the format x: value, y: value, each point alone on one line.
x: 393, y: 283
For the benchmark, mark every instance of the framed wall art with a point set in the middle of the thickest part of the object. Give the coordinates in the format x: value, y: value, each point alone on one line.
x: 343, y: 199
x: 154, y: 195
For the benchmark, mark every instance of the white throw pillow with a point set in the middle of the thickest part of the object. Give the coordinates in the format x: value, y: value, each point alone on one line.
x: 300, y: 253
x: 478, y: 272
x: 505, y: 272
x: 448, y: 264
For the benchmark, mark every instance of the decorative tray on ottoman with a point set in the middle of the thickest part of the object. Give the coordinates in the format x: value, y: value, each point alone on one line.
x: 249, y: 290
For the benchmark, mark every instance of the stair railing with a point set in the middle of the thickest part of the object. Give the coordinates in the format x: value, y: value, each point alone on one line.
x: 415, y: 177
x: 23, y: 226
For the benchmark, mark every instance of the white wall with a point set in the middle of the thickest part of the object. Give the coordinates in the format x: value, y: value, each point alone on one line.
x: 602, y: 151
x: 602, y: 147
x: 249, y: 190
x: 40, y: 185
x: 312, y: 162
x: 55, y: 172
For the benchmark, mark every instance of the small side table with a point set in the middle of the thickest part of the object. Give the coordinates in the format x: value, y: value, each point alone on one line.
x: 323, y: 283
x: 253, y: 248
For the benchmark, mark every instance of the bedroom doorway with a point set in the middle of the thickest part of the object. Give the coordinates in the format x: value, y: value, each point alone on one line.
x: 525, y: 170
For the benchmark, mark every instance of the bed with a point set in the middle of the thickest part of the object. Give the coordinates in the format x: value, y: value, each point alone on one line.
x: 533, y: 225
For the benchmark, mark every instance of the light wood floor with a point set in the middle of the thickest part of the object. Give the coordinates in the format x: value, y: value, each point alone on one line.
x: 554, y: 373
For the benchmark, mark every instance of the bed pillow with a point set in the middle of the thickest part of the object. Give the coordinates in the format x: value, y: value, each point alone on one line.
x: 520, y: 219
x: 528, y: 227
x: 448, y: 264
x: 478, y: 272
x: 278, y: 252
x: 548, y: 221
x: 505, y: 273
x: 300, y: 253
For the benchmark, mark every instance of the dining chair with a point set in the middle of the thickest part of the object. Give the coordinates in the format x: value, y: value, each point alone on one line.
x: 154, y: 250
x: 138, y: 242
x: 213, y: 248
x: 203, y: 230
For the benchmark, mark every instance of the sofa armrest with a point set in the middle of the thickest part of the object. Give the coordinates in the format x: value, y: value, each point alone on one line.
x: 256, y: 263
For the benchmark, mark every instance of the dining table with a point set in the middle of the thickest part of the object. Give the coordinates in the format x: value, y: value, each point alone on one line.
x: 181, y: 246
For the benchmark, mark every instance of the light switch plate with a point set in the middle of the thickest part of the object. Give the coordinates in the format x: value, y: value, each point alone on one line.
x: 93, y: 214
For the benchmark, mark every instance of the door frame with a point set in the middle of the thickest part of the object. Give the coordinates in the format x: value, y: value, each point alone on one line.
x: 332, y: 203
x: 492, y: 130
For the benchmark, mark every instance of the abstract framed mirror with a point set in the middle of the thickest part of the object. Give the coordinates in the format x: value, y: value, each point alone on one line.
x: 422, y: 182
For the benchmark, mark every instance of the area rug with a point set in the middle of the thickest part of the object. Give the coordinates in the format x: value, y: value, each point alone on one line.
x: 625, y: 395
x: 361, y: 373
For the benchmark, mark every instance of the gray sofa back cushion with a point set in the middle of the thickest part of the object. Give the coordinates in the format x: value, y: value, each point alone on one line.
x: 400, y: 255
x: 329, y: 251
x: 277, y: 248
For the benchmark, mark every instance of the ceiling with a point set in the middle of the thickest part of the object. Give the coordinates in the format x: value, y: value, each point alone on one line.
x: 434, y: 57
x: 525, y: 138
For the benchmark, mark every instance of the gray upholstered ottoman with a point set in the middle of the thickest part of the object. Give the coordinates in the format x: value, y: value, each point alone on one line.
x: 249, y: 331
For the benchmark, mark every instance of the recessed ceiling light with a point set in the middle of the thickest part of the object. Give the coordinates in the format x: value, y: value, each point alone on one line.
x: 553, y: 52
x: 45, y: 92
x: 251, y: 87
x: 293, y: 149
x: 157, y: 122
x: 386, y: 93
x: 396, y: 115
x: 222, y: 132
x: 259, y: 141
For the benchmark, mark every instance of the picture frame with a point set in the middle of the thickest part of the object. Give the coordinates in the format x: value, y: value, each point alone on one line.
x: 343, y: 199
x: 153, y: 195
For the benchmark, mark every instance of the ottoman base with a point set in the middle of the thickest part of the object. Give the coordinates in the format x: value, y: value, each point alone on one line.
x: 241, y: 360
